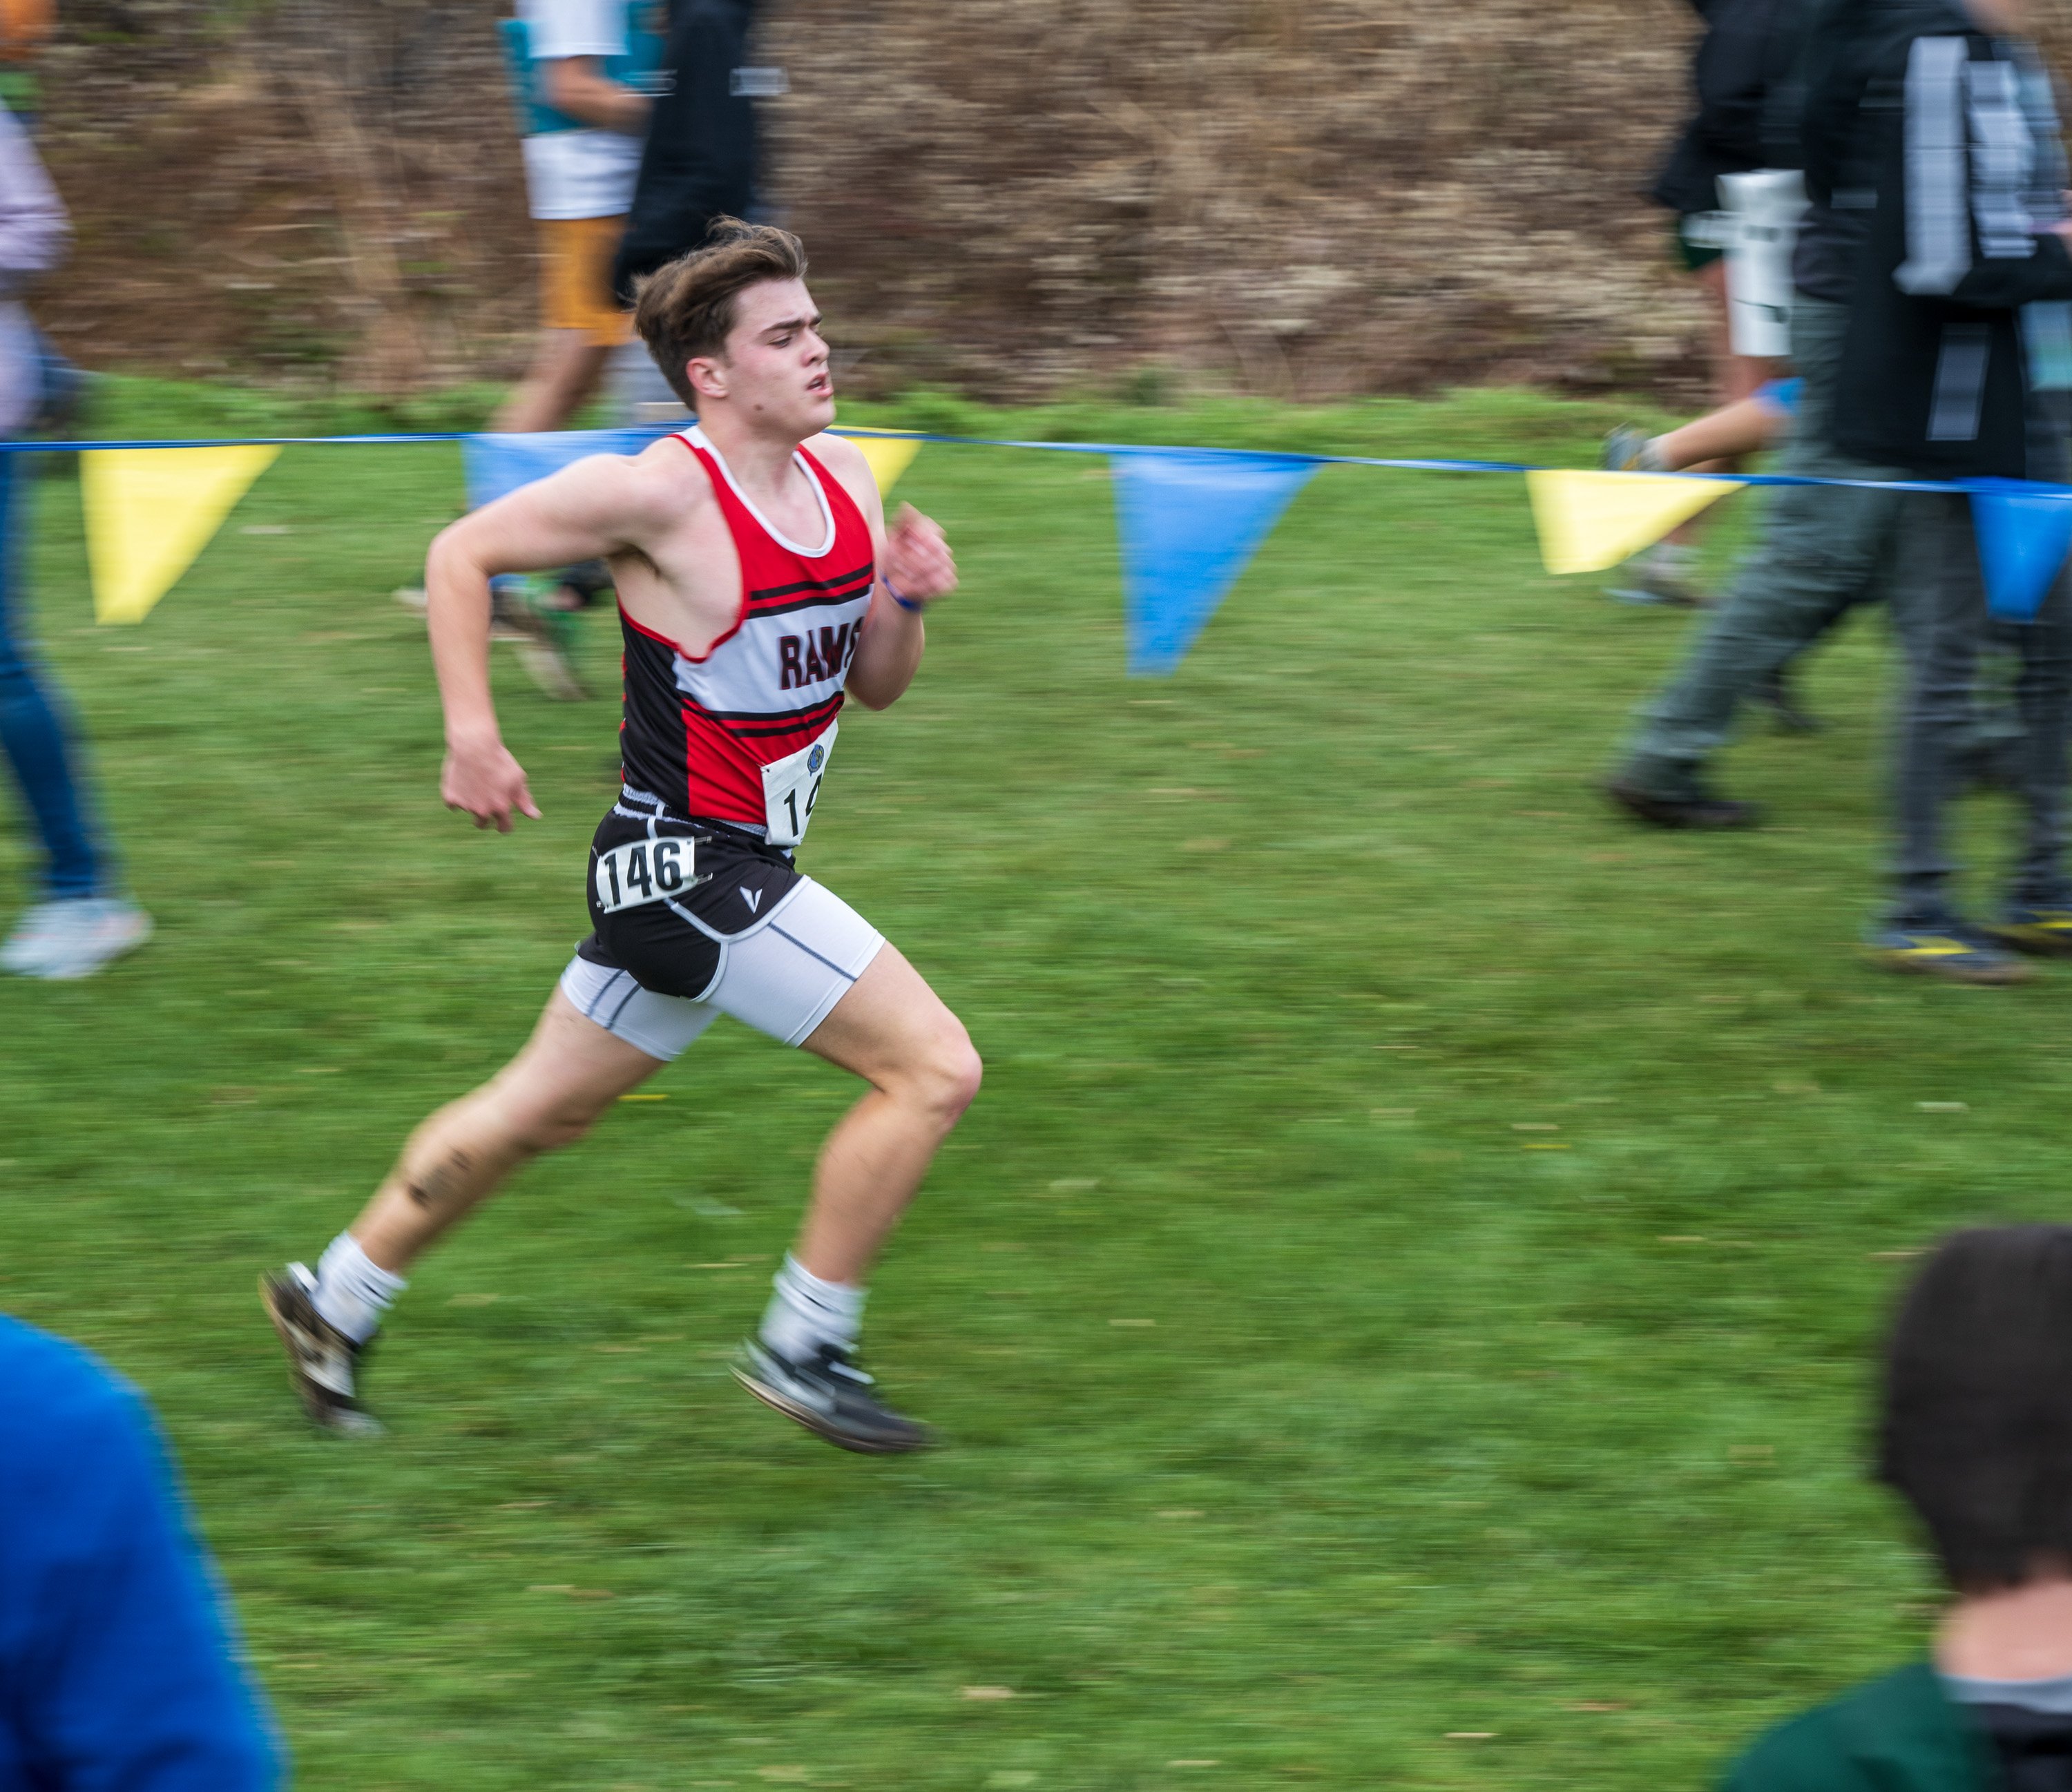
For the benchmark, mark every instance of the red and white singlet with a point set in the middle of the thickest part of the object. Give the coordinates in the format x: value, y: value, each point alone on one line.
x: 742, y: 733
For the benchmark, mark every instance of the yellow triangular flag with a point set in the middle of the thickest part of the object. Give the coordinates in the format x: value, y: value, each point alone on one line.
x: 1589, y: 521
x: 889, y: 456
x: 149, y: 512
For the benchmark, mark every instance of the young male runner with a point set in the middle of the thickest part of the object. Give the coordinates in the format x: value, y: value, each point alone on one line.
x: 757, y: 585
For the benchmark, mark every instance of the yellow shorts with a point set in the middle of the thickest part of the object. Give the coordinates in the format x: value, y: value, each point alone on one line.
x: 575, y: 278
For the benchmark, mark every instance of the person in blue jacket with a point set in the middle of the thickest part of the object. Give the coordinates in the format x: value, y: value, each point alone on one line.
x: 117, y: 1669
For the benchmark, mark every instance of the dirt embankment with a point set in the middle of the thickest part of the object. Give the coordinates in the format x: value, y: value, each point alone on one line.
x: 1013, y: 196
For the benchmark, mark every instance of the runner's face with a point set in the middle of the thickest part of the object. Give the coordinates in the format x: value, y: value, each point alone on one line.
x: 776, y: 364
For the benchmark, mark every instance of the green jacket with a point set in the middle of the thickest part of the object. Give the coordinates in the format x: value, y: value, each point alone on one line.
x: 1902, y: 1733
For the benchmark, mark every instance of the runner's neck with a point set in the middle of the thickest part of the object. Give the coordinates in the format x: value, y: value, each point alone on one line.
x: 762, y: 464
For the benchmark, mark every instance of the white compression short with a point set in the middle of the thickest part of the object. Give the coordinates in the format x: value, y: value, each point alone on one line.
x: 782, y: 977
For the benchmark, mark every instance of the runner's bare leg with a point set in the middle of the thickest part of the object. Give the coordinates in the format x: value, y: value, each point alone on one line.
x: 893, y: 1031
x: 568, y: 1073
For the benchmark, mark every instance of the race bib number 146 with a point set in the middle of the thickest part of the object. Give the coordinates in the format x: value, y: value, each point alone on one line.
x: 642, y: 871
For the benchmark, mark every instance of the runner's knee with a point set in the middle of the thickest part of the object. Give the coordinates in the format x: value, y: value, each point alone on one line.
x: 538, y: 1123
x: 551, y: 1131
x: 943, y: 1076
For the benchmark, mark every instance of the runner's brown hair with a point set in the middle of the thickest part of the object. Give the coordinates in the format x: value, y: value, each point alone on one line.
x: 685, y: 308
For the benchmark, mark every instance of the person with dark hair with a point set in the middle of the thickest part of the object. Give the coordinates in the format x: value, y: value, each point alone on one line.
x: 117, y: 1669
x: 759, y: 588
x: 1975, y: 1433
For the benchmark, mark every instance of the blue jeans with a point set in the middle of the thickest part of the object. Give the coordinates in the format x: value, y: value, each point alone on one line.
x: 1938, y: 605
x: 1824, y: 549
x: 33, y: 729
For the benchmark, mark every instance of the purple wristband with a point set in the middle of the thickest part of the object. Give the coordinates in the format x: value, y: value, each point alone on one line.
x: 892, y: 591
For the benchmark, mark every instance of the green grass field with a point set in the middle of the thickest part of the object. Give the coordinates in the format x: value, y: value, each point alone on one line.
x: 1411, y: 1271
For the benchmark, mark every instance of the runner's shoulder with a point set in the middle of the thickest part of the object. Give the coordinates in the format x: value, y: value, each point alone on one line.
x: 847, y: 461
x: 662, y: 483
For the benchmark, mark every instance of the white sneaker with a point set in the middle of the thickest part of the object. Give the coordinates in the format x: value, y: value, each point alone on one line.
x: 32, y: 937
x: 65, y: 940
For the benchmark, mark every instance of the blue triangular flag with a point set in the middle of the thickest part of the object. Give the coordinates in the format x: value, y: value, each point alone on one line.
x: 1191, y: 523
x: 2025, y: 531
x: 497, y: 464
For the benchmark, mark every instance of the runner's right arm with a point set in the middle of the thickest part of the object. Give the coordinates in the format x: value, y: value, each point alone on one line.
x: 583, y: 512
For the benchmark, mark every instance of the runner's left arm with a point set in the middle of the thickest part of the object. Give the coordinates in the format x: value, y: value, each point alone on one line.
x: 914, y: 560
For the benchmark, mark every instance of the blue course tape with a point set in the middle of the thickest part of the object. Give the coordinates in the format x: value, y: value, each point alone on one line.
x: 1420, y: 466
x: 42, y: 447
x: 1410, y: 466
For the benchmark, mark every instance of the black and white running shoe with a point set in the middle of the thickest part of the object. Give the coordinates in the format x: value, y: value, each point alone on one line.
x: 830, y: 1396
x: 321, y: 1360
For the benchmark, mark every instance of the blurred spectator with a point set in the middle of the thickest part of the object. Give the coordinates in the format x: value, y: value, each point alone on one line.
x: 1746, y: 119
x: 584, y: 73
x: 1975, y: 1435
x: 1948, y: 371
x: 1824, y: 548
x: 1747, y: 426
x: 81, y: 924
x: 584, y: 70
x: 116, y: 1674
x: 700, y: 163
x: 25, y: 27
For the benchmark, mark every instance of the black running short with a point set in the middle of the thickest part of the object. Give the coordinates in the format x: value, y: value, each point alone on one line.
x: 665, y: 895
x: 691, y: 921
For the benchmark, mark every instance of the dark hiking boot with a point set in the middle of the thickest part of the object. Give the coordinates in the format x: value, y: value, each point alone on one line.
x: 1692, y: 807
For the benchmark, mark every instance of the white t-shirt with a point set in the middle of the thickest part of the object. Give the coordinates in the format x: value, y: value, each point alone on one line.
x: 579, y: 174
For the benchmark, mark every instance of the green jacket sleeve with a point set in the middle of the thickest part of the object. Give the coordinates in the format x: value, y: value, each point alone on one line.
x: 1901, y: 1733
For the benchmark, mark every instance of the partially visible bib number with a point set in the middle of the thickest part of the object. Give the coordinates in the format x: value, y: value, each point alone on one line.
x: 644, y: 871
x: 791, y: 787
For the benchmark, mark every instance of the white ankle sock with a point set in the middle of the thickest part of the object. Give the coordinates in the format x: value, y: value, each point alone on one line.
x: 352, y: 1290
x: 806, y: 1313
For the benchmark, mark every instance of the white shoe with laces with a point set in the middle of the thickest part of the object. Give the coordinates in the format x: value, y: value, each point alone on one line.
x: 62, y: 941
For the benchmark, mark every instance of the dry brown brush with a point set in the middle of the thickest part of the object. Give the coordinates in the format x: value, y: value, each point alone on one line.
x: 1012, y: 197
